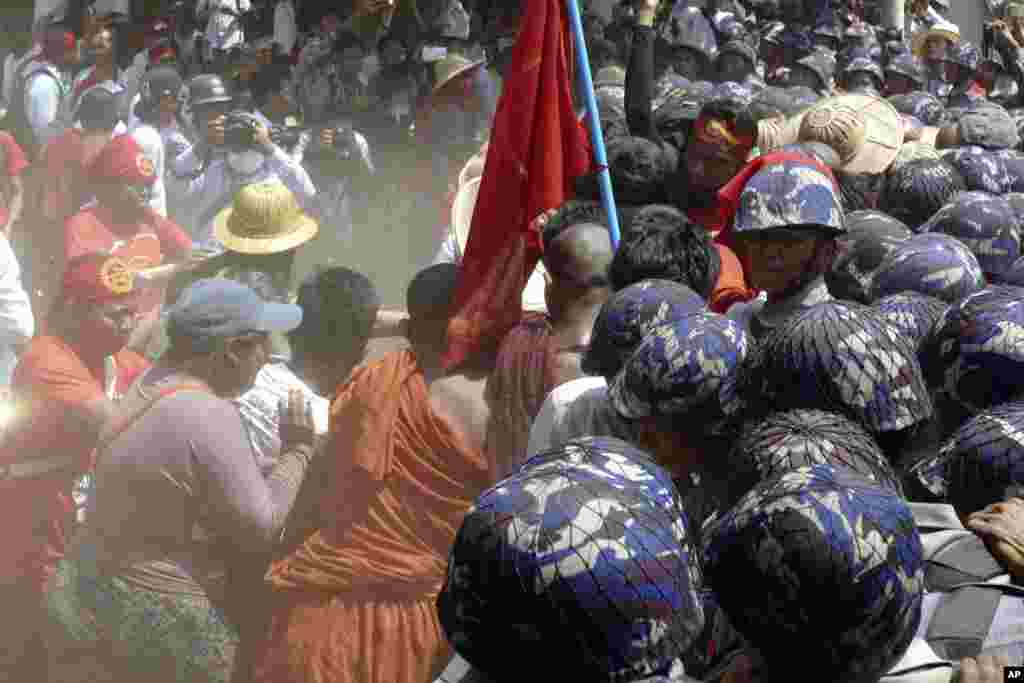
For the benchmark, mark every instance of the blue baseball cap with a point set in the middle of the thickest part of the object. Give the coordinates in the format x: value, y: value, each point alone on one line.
x: 217, y: 308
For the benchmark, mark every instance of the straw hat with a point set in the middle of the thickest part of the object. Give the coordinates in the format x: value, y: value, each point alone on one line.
x: 450, y: 68
x: 943, y: 29
x: 462, y: 220
x: 866, y: 132
x: 265, y: 218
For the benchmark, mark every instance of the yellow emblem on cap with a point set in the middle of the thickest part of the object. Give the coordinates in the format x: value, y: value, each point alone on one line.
x: 116, y: 276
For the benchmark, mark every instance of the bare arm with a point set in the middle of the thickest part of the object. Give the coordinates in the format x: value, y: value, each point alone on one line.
x: 16, y: 204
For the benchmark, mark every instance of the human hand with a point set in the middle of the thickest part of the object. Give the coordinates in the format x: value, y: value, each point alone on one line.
x: 985, y: 669
x: 295, y: 423
x: 261, y: 136
x: 215, y: 130
x: 1002, y: 527
x: 327, y: 137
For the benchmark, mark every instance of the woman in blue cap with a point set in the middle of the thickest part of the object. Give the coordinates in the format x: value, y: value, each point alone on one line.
x: 145, y: 589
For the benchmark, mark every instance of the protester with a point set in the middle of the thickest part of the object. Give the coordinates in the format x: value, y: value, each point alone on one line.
x: 121, y: 221
x: 355, y: 601
x: 59, y: 390
x: 149, y: 589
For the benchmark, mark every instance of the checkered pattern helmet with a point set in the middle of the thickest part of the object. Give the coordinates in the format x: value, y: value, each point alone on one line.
x: 908, y: 66
x: 934, y: 264
x: 689, y: 367
x: 923, y: 106
x: 965, y: 55
x: 982, y: 169
x: 987, y: 224
x: 788, y: 194
x: 867, y: 65
x: 688, y: 27
x: 976, y: 351
x: 731, y: 90
x: 842, y: 357
x: 913, y: 315
x: 1015, y: 274
x: 822, y: 557
x: 915, y: 191
x: 982, y: 462
x: 1014, y: 163
x: 583, y: 554
x: 629, y: 315
x: 800, y: 438
x: 852, y: 271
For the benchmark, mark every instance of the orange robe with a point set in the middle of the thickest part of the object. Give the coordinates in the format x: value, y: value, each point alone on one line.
x: 355, y: 603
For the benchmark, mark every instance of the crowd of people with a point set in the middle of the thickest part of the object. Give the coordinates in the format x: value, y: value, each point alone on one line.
x: 772, y: 431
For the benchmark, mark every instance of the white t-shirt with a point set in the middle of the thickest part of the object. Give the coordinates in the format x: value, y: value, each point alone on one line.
x: 574, y: 409
x: 260, y: 410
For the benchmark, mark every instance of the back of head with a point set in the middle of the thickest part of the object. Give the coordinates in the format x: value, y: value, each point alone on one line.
x: 580, y: 256
x: 604, y: 614
x: 99, y: 110
x: 663, y: 244
x: 431, y: 294
x: 918, y: 189
x: 339, y: 309
x: 792, y: 563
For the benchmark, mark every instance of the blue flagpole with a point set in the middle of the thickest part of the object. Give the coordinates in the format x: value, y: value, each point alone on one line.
x: 597, y: 138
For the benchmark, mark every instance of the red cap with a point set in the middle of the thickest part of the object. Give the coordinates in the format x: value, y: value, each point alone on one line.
x: 56, y: 42
x: 98, y: 278
x: 158, y: 27
x: 122, y: 159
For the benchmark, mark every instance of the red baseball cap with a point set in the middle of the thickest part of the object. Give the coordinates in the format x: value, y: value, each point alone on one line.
x: 122, y: 159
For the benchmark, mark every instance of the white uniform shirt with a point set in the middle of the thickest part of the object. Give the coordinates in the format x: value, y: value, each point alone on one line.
x: 152, y: 145
x: 202, y: 198
x: 16, y: 322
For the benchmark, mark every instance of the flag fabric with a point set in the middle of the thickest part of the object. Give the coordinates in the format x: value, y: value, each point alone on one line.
x: 537, y: 147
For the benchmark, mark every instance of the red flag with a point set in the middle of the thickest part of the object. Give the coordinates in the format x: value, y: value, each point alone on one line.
x: 537, y: 147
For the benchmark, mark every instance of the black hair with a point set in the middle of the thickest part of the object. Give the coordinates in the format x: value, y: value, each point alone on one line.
x: 431, y: 294
x: 98, y: 109
x: 770, y: 103
x: 573, y: 212
x: 663, y: 244
x: 339, y: 309
x: 915, y: 191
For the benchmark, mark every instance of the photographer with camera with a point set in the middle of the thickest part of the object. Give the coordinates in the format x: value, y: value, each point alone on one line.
x: 338, y: 156
x: 1005, y: 38
x: 235, y: 150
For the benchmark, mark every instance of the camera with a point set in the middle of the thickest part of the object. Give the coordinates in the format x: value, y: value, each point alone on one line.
x: 286, y: 137
x: 240, y: 130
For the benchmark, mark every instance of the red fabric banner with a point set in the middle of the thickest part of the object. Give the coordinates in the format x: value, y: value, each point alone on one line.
x: 537, y: 147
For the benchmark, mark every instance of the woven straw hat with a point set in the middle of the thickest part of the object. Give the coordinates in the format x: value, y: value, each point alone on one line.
x: 866, y: 132
x: 265, y: 218
x: 450, y: 68
x: 943, y: 29
x: 462, y: 220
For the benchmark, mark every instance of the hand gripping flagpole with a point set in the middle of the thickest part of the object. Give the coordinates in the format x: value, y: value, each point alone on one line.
x: 597, y: 138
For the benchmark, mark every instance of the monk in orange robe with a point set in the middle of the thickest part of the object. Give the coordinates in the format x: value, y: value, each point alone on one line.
x: 355, y: 601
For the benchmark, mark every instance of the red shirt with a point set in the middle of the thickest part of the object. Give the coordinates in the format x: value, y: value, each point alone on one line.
x: 16, y: 163
x: 50, y: 382
x: 143, y: 244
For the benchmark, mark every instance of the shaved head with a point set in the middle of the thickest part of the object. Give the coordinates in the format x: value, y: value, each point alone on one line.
x: 580, y: 254
x: 431, y: 294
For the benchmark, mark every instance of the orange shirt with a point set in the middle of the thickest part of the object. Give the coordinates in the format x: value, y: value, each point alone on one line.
x: 731, y: 286
x: 50, y: 382
x: 143, y: 244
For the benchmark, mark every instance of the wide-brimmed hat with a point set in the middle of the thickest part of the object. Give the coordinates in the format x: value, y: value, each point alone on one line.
x: 450, y: 68
x: 265, y: 218
x: 943, y: 29
x: 866, y: 131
